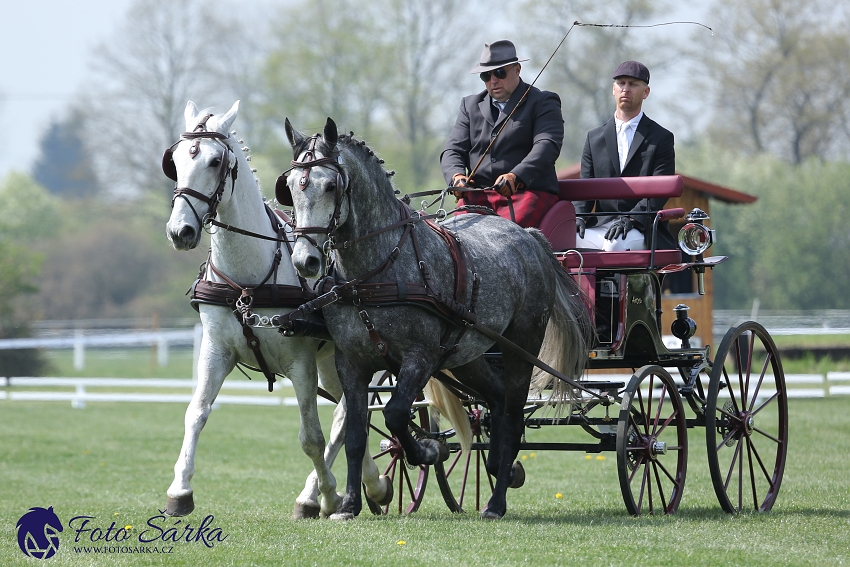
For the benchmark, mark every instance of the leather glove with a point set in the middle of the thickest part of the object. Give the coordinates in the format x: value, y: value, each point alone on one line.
x: 619, y: 227
x: 460, y: 180
x: 507, y: 184
x: 580, y: 225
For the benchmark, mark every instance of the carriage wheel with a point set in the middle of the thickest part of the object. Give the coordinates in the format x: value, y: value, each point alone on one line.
x: 746, y: 420
x: 463, y: 478
x: 408, y: 481
x: 652, y: 443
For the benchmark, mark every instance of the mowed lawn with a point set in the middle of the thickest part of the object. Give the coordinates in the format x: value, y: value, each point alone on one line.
x: 114, y: 462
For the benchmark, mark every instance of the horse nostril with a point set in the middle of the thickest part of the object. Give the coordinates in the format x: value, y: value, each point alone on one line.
x: 312, y: 265
x: 186, y: 234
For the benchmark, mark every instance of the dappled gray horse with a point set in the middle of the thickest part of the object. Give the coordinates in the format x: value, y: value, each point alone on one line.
x: 401, y: 305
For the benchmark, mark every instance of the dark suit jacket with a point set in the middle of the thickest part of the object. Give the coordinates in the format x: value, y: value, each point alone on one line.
x: 651, y: 153
x: 528, y: 146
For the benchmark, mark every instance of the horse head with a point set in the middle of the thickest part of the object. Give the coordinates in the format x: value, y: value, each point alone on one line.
x: 200, y: 164
x: 316, y: 187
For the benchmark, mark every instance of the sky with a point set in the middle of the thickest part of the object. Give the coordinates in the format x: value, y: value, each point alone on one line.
x: 47, y: 47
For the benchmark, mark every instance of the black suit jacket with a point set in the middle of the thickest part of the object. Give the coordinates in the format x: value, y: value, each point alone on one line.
x: 528, y: 146
x: 651, y: 153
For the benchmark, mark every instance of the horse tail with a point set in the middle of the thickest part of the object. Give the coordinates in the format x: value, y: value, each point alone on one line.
x: 449, y: 405
x: 569, y: 335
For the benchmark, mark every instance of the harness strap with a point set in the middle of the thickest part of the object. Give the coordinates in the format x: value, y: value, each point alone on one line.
x: 254, y: 345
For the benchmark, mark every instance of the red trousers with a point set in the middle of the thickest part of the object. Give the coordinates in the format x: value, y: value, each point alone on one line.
x: 526, y: 208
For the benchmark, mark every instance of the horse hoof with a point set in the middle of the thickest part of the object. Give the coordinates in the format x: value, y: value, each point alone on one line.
x: 342, y: 516
x: 486, y: 514
x: 519, y: 475
x: 388, y: 493
x: 440, y: 448
x: 180, y: 506
x: 305, y: 511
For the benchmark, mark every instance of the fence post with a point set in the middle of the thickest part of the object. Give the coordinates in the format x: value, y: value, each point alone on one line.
x: 162, y: 351
x: 79, y: 350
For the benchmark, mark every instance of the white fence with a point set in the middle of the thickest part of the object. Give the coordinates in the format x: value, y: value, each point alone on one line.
x: 80, y: 340
x: 77, y: 391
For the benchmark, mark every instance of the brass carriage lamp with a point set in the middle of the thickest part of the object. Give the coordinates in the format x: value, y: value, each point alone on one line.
x: 694, y: 239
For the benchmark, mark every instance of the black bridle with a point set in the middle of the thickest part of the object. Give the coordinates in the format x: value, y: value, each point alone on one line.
x: 224, y: 171
x: 305, y: 164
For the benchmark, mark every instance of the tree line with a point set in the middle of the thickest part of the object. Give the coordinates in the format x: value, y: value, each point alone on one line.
x: 762, y: 103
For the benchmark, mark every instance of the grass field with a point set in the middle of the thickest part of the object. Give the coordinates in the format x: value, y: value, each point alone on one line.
x: 114, y: 461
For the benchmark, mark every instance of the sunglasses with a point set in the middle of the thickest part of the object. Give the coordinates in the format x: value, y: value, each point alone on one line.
x: 499, y: 73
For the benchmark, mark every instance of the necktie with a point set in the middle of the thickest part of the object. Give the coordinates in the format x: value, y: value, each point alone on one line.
x: 623, y: 143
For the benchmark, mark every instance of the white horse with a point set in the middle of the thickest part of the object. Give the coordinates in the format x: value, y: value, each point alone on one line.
x: 210, y: 167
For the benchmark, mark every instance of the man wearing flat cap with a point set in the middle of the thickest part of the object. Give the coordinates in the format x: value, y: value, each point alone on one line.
x: 628, y: 145
x: 520, y: 163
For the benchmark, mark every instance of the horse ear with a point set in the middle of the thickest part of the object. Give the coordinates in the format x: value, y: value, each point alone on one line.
x: 190, y: 115
x: 295, y: 138
x: 226, y: 121
x: 330, y: 133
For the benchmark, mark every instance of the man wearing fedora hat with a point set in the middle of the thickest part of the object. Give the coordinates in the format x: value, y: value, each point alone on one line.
x: 628, y: 145
x: 515, y: 132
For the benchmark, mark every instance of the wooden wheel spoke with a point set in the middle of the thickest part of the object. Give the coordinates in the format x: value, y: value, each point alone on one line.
x: 655, y: 466
x: 643, y: 411
x: 666, y: 472
x: 751, y: 446
x: 643, y: 482
x: 732, y: 464
x: 765, y: 404
x: 730, y: 390
x: 767, y: 360
x: 667, y: 422
x: 638, y: 465
x: 658, y: 408
x: 726, y: 439
x: 752, y: 473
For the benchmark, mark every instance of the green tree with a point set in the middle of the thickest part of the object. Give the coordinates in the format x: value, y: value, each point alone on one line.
x: 791, y: 248
x: 164, y: 54
x: 26, y: 216
x: 780, y: 71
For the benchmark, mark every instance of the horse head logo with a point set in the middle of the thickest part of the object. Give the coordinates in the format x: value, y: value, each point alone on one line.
x: 38, y: 533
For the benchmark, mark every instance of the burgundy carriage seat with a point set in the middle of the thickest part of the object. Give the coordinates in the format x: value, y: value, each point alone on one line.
x: 559, y: 223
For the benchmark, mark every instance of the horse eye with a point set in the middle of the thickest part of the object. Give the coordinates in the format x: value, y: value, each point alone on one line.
x: 330, y: 187
x: 216, y: 161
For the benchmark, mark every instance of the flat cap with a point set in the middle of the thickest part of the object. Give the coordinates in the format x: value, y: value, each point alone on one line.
x: 632, y: 69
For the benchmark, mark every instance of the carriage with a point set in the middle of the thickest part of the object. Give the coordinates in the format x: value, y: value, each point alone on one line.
x: 735, y: 396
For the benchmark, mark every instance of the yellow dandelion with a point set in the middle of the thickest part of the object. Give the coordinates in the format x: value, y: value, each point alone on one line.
x: 533, y: 455
x: 115, y: 514
x: 401, y: 542
x: 524, y: 457
x: 559, y: 495
x: 128, y: 527
x: 587, y: 457
x: 600, y: 457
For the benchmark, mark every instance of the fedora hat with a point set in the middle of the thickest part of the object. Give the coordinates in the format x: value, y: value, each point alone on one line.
x: 497, y: 54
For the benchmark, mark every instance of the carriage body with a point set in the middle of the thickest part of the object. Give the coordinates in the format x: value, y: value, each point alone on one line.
x: 736, y: 394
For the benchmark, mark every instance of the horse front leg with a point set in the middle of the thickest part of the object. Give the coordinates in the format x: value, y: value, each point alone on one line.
x: 305, y: 381
x: 410, y: 381
x: 356, y: 435
x: 213, y: 365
